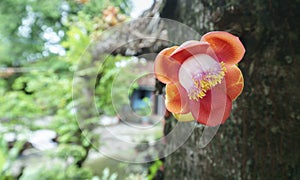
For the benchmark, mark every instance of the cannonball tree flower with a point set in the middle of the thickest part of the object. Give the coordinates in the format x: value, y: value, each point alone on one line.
x: 202, y: 78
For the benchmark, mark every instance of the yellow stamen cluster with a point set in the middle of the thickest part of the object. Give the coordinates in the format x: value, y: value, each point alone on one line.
x: 206, y: 81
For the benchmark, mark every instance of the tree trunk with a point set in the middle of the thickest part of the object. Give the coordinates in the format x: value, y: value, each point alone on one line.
x: 261, y: 138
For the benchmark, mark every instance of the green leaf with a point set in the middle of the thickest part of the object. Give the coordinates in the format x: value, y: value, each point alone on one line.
x: 2, y: 160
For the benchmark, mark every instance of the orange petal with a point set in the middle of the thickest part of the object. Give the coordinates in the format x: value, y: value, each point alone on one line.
x: 165, y: 69
x: 234, y: 81
x: 226, y: 46
x: 214, y: 108
x: 176, y: 98
x: 188, y: 49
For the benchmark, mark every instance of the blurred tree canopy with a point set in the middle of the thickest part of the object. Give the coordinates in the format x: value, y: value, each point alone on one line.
x: 32, y: 30
x: 41, y: 43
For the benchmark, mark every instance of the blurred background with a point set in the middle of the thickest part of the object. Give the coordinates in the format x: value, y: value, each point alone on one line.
x: 60, y: 60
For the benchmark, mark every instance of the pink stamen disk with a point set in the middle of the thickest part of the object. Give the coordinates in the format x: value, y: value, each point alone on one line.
x: 200, y: 73
x: 205, y: 80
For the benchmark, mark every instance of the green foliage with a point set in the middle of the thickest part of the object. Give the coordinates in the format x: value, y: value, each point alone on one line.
x: 69, y: 150
x: 23, y: 23
x: 30, y: 93
x: 113, y: 78
x: 16, y: 103
x: 41, y: 82
x: 2, y: 160
x: 107, y: 176
x: 145, y: 111
x: 56, y: 171
x: 154, y: 168
x: 77, y: 39
x: 3, y: 155
x: 94, y: 7
x: 8, y: 156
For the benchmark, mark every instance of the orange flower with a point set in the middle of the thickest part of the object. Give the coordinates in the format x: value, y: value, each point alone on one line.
x: 201, y: 77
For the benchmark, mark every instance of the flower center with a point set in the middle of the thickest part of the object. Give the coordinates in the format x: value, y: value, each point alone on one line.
x: 204, y: 81
x: 199, y: 74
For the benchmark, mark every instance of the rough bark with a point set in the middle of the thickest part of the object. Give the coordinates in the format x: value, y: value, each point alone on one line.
x: 261, y: 138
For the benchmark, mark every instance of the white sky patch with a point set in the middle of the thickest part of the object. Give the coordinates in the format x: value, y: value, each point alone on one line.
x: 25, y: 29
x: 51, y: 36
x: 139, y: 6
